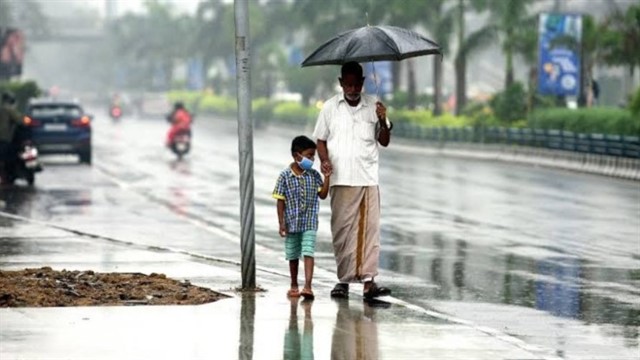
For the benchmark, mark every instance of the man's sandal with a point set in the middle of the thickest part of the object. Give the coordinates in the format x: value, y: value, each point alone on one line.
x: 293, y: 293
x: 340, y: 291
x: 376, y: 291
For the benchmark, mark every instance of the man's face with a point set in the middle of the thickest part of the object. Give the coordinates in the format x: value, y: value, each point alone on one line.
x: 352, y: 86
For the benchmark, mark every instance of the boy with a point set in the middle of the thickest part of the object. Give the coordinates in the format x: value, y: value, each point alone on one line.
x: 297, y: 191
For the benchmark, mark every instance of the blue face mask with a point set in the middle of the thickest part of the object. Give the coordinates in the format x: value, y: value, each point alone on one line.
x: 305, y: 163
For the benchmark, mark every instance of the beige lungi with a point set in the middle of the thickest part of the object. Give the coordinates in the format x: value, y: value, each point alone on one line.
x: 355, y: 227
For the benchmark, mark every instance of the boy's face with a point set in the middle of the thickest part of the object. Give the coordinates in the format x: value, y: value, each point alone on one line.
x: 308, y: 153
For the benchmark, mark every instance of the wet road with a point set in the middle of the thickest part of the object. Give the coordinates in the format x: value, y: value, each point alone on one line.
x: 548, y: 256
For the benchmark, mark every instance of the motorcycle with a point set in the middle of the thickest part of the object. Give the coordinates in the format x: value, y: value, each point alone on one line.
x: 116, y: 112
x: 25, y: 164
x: 181, y: 143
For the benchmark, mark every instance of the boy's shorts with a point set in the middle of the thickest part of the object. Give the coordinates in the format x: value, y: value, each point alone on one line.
x: 301, y: 244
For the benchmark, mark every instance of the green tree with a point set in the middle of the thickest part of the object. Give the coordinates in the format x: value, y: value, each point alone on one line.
x: 508, y: 23
x: 155, y: 40
x: 215, y: 31
x: 621, y: 36
x: 468, y: 44
x: 439, y: 20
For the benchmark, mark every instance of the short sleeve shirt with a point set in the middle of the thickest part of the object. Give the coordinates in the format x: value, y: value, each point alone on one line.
x: 300, y: 195
x: 351, y: 134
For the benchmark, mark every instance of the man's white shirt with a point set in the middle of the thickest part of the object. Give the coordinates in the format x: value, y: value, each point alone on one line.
x: 351, y: 134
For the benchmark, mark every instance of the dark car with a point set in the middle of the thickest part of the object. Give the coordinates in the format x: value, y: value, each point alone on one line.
x: 60, y: 127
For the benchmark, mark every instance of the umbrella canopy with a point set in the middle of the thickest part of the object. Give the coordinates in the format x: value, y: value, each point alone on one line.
x: 372, y: 43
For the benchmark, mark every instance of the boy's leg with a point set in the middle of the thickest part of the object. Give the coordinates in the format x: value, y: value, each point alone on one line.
x: 292, y: 245
x: 293, y: 272
x: 308, y: 271
x: 308, y: 251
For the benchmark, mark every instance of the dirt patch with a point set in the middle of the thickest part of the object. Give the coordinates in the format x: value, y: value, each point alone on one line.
x: 46, y: 287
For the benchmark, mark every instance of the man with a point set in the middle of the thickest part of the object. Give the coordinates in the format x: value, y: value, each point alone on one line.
x: 349, y: 128
x: 9, y: 121
x: 180, y: 120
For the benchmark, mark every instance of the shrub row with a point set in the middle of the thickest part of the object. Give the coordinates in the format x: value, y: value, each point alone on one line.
x: 593, y: 120
x: 598, y: 120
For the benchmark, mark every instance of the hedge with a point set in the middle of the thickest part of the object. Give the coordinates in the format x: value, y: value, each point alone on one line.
x: 426, y: 118
x: 294, y: 112
x: 590, y: 120
x: 597, y: 120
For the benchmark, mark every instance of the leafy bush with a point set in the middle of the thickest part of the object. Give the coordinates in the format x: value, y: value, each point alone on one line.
x: 262, y: 109
x: 219, y: 105
x: 587, y: 120
x: 23, y: 91
x: 426, y: 118
x: 400, y: 100
x: 480, y: 115
x: 191, y: 99
x: 511, y: 104
x: 294, y: 112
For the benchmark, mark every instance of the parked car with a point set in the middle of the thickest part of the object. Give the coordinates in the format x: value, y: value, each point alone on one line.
x: 60, y: 127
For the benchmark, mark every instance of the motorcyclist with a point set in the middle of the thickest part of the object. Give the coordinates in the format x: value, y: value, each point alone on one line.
x: 10, y: 119
x: 180, y: 119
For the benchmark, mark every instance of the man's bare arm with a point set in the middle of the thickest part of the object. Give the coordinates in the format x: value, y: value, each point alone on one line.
x: 323, y: 153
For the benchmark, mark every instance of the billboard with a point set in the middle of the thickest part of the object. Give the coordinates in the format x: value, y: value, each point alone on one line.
x: 379, y: 77
x: 559, y: 47
x: 11, y: 52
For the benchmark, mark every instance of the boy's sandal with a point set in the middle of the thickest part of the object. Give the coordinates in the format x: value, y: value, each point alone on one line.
x: 294, y: 293
x: 376, y: 291
x: 340, y: 291
x: 307, y: 294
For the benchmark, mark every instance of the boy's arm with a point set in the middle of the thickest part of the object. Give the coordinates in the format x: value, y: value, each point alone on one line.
x: 324, y: 190
x: 282, y: 226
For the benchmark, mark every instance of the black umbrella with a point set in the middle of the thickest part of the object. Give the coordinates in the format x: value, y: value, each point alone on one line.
x: 372, y: 43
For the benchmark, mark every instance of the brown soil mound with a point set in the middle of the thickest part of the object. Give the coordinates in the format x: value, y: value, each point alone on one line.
x: 45, y: 287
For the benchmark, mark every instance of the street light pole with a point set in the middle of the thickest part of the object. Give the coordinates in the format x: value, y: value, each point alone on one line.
x: 245, y: 145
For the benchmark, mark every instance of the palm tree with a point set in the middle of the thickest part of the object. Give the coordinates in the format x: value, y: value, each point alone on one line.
x: 465, y: 46
x: 439, y: 20
x: 214, y: 34
x: 506, y: 20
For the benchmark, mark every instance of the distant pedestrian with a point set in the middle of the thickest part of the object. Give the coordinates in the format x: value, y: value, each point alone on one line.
x: 349, y: 130
x: 297, y: 191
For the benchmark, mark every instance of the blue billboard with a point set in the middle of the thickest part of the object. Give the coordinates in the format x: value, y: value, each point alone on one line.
x: 379, y: 77
x: 560, y: 42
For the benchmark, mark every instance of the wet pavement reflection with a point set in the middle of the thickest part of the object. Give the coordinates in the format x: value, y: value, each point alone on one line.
x: 298, y: 342
x: 247, y: 321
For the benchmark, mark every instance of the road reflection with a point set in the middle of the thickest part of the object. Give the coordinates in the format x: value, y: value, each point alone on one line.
x: 247, y: 324
x: 297, y: 344
x: 567, y: 286
x: 17, y: 199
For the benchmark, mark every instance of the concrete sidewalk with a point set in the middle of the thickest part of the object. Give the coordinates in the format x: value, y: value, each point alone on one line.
x: 265, y: 325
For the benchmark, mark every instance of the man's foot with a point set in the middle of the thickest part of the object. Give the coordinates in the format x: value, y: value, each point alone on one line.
x: 340, y: 291
x: 372, y: 290
x: 293, y: 293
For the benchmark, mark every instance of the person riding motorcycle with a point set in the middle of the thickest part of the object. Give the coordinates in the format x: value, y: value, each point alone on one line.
x: 10, y: 119
x: 180, y: 120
